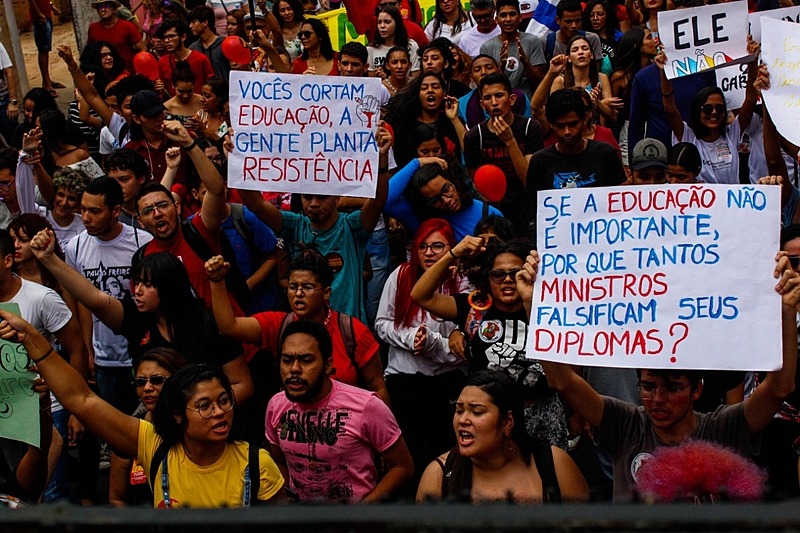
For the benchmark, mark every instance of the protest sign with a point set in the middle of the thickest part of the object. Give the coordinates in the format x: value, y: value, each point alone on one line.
x: 19, y: 405
x: 703, y: 38
x: 304, y: 134
x: 780, y: 51
x: 789, y: 14
x: 733, y: 82
x: 668, y: 276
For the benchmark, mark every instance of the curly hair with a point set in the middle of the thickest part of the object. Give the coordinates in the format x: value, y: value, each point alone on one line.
x: 70, y: 179
x: 477, y: 267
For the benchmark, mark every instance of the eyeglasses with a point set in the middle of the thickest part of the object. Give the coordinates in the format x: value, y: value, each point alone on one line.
x: 794, y: 260
x: 707, y: 109
x: 150, y: 209
x: 648, y: 390
x: 435, y: 247
x: 206, y: 409
x: 6, y: 184
x: 171, y: 36
x: 155, y: 380
x: 305, y: 288
x: 499, y: 276
x: 446, y: 192
x: 105, y: 54
x: 305, y: 34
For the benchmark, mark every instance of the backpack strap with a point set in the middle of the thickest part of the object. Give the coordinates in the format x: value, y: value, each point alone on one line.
x: 349, y: 338
x: 550, y: 45
x: 254, y: 467
x: 239, y: 223
x: 158, y: 457
x: 543, y: 458
x: 288, y: 319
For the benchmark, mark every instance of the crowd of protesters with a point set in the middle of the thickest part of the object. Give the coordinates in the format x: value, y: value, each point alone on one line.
x: 218, y: 347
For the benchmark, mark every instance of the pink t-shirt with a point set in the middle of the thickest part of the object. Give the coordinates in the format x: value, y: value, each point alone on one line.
x: 329, y: 445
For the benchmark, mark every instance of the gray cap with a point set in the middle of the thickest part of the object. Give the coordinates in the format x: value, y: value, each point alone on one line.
x: 649, y: 153
x: 257, y: 14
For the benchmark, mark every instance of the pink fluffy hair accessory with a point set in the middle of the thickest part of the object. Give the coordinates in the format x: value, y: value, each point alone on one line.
x: 699, y: 471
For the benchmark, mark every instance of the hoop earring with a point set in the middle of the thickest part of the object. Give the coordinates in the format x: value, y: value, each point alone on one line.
x: 509, y: 448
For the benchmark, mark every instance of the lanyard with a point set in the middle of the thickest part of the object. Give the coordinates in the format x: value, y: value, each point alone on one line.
x: 165, y: 485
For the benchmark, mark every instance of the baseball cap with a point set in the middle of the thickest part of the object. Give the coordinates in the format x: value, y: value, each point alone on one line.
x: 147, y: 104
x: 649, y: 153
x: 96, y: 3
x: 257, y: 14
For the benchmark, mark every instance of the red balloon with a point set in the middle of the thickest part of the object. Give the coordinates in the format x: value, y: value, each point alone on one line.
x: 147, y: 65
x: 490, y: 182
x: 234, y: 49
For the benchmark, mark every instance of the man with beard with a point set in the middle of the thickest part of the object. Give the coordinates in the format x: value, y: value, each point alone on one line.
x: 324, y: 434
x: 102, y: 253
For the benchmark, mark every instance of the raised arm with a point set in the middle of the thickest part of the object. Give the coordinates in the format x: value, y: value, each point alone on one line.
x: 451, y: 111
x: 85, y: 86
x: 765, y: 401
x: 668, y: 98
x: 119, y: 430
x: 424, y: 291
x: 109, y: 310
x: 751, y: 93
x: 373, y: 208
x: 242, y: 329
x: 539, y: 97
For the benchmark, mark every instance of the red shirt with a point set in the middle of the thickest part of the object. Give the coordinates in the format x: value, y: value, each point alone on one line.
x: 44, y: 7
x: 300, y: 65
x: 199, y: 64
x: 366, y: 345
x: 157, y: 158
x: 123, y: 36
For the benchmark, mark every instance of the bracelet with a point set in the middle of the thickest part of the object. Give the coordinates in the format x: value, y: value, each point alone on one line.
x: 191, y: 146
x: 454, y: 256
x: 668, y: 94
x: 45, y: 356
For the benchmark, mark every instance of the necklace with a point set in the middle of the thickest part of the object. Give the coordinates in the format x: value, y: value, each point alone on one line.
x: 391, y: 86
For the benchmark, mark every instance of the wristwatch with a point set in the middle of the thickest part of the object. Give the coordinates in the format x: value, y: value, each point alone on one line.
x: 14, y: 102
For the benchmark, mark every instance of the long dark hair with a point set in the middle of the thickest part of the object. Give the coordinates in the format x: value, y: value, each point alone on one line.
x: 31, y: 224
x: 297, y: 8
x: 186, y: 316
x: 91, y: 56
x: 612, y: 24
x: 477, y: 268
x: 628, y: 56
x: 439, y: 18
x: 42, y: 101
x: 325, y: 45
x: 177, y: 390
x: 426, y: 173
x: 569, y: 75
x: 400, y: 32
x: 695, y: 123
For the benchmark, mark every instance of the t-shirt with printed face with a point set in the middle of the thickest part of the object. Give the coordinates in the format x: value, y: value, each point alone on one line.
x: 330, y: 445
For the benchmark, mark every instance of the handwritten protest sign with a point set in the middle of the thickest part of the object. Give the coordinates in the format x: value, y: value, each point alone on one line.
x: 703, y: 38
x: 673, y: 276
x: 780, y: 51
x: 733, y: 82
x: 789, y: 14
x: 306, y: 134
x: 19, y: 405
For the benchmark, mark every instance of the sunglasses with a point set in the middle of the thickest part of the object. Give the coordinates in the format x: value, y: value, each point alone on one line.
x: 155, y: 380
x: 305, y: 34
x: 499, y: 276
x: 707, y: 109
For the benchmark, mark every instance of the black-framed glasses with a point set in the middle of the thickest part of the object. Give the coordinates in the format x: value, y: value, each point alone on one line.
x: 447, y: 192
x: 499, y: 276
x: 794, y: 261
x: 206, y: 408
x: 305, y: 34
x: 707, y: 109
x: 171, y: 36
x: 150, y: 209
x: 647, y: 390
x: 6, y: 184
x: 436, y: 247
x: 155, y: 380
x: 305, y: 288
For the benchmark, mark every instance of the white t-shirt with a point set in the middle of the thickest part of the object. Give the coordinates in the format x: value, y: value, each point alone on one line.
x: 115, y: 130
x: 721, y: 157
x: 5, y: 62
x: 446, y: 30
x: 377, y: 55
x: 107, y: 264
x: 471, y: 40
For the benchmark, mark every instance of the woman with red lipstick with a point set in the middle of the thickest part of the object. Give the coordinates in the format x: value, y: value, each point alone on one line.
x: 494, y: 458
x: 128, y: 480
x: 495, y: 324
x: 424, y: 373
x: 318, y: 56
x: 195, y: 461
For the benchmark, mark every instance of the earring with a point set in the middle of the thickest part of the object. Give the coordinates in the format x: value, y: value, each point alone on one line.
x: 509, y: 448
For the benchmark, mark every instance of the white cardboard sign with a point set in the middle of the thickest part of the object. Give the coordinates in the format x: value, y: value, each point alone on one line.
x: 780, y: 51
x: 788, y: 14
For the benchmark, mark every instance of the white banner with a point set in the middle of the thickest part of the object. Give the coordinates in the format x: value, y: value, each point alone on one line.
x: 780, y: 51
x: 789, y: 14
x: 305, y: 134
x: 703, y: 38
x: 667, y: 276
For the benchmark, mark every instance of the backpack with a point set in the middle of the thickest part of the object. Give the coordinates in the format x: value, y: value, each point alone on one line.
x: 348, y: 336
x: 253, y: 466
x: 235, y: 280
x: 550, y: 45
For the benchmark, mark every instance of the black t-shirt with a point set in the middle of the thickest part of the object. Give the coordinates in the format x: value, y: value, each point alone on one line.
x: 141, y: 332
x: 405, y: 144
x: 598, y: 165
x: 457, y: 89
x: 497, y: 342
x: 482, y: 146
